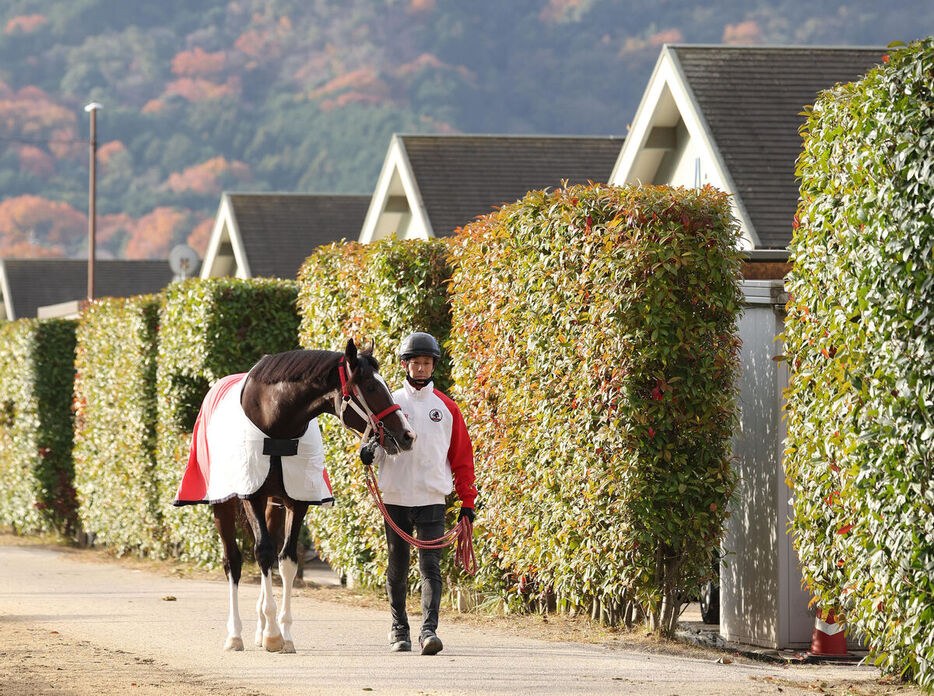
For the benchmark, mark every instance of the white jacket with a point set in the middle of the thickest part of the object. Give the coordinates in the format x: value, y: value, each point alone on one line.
x: 422, y: 476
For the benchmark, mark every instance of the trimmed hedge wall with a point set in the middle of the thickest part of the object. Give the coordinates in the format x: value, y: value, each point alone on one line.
x: 860, y: 343
x: 37, y: 367
x: 593, y: 335
x: 209, y: 329
x: 115, y: 424
x: 380, y: 292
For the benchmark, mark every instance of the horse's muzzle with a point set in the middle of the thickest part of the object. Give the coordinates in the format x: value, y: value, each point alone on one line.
x: 401, y: 442
x: 407, y: 440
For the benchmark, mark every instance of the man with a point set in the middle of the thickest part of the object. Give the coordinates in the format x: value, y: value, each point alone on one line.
x: 414, y: 485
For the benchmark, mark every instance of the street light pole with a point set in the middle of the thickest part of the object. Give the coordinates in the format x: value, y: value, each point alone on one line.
x: 92, y: 109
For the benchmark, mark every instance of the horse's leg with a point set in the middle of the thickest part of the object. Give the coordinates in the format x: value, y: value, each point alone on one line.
x: 225, y: 515
x: 288, y: 568
x: 275, y: 514
x: 265, y: 555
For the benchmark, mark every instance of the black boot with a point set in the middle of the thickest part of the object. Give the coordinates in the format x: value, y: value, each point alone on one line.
x: 431, y: 644
x: 399, y: 640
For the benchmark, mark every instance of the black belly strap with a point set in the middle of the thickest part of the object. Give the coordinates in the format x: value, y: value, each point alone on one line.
x: 280, y: 448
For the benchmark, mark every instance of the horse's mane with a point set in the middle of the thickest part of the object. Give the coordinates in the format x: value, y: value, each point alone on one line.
x: 305, y: 365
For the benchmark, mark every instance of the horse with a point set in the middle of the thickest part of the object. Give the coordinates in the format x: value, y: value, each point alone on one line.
x: 280, y: 396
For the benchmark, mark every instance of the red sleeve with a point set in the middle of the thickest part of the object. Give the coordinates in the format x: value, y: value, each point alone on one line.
x: 460, y: 455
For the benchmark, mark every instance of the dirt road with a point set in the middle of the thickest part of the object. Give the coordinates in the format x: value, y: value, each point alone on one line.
x: 69, y: 626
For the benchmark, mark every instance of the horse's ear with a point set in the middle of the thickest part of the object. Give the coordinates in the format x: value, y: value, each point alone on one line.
x: 351, y: 354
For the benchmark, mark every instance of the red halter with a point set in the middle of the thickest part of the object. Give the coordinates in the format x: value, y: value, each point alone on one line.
x: 348, y: 392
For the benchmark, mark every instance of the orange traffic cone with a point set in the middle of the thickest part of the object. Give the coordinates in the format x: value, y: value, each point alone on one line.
x: 829, y: 637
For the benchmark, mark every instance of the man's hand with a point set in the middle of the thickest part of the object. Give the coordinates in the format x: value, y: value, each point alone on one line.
x: 368, y: 452
x: 468, y: 513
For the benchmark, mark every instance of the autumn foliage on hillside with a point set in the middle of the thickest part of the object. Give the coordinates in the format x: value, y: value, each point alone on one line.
x: 33, y: 227
x: 25, y: 24
x: 291, y: 96
x: 208, y: 176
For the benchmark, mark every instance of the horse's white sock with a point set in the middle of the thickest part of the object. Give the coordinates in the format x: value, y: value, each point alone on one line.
x: 272, y: 638
x: 234, y: 626
x: 288, y: 569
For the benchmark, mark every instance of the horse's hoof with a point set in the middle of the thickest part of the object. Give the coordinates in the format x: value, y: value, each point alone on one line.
x: 288, y: 647
x: 234, y: 644
x: 258, y: 639
x: 272, y: 643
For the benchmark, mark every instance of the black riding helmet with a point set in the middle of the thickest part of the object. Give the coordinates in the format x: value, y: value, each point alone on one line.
x: 419, y: 343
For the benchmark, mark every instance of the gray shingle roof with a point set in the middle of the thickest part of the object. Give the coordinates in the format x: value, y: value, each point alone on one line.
x: 280, y: 230
x: 35, y: 283
x: 752, y: 99
x: 463, y: 176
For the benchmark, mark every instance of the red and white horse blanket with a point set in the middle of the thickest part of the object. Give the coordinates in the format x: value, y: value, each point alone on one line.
x: 226, y: 457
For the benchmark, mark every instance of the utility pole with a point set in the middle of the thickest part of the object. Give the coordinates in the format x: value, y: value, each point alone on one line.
x: 92, y: 109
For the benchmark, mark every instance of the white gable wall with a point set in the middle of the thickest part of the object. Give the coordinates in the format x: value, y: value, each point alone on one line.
x: 669, y: 142
x: 225, y: 255
x: 6, y: 306
x: 396, y: 208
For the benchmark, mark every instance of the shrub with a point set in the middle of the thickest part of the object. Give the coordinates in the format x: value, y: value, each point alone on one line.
x: 209, y: 329
x: 37, y: 367
x: 860, y: 342
x: 115, y: 424
x: 593, y: 336
x: 379, y: 292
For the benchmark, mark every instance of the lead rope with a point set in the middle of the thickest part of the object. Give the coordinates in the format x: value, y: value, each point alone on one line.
x: 462, y: 532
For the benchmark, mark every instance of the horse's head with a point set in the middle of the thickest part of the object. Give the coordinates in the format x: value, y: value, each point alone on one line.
x: 375, y: 410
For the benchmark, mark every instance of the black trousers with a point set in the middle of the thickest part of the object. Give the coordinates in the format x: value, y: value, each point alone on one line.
x: 428, y: 522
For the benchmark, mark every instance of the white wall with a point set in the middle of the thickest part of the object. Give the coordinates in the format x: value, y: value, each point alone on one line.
x: 761, y: 599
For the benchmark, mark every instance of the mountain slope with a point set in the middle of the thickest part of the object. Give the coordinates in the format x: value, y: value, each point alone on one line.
x: 202, y: 96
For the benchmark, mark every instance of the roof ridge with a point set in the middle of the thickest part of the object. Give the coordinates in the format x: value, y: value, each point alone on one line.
x: 510, y: 136
x: 778, y: 47
x: 83, y: 260
x: 291, y: 193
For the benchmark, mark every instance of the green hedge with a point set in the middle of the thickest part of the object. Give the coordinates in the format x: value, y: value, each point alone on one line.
x: 860, y: 343
x: 209, y: 329
x: 115, y: 424
x: 37, y: 367
x: 379, y: 292
x: 593, y: 335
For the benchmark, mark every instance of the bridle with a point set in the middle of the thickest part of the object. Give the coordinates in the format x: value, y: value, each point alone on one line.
x: 345, y: 398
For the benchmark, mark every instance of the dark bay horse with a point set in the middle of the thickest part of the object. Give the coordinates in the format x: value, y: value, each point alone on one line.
x: 280, y: 396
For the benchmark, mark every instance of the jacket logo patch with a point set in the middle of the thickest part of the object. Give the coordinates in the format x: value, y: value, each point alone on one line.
x: 435, y: 415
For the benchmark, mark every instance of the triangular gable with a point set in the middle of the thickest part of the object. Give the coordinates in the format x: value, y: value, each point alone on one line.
x: 670, y: 142
x: 396, y: 208
x: 225, y: 255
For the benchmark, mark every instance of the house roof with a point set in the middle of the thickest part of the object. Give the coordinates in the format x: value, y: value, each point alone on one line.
x: 459, y: 177
x: 276, y: 232
x: 28, y: 284
x: 740, y: 107
x: 752, y: 99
